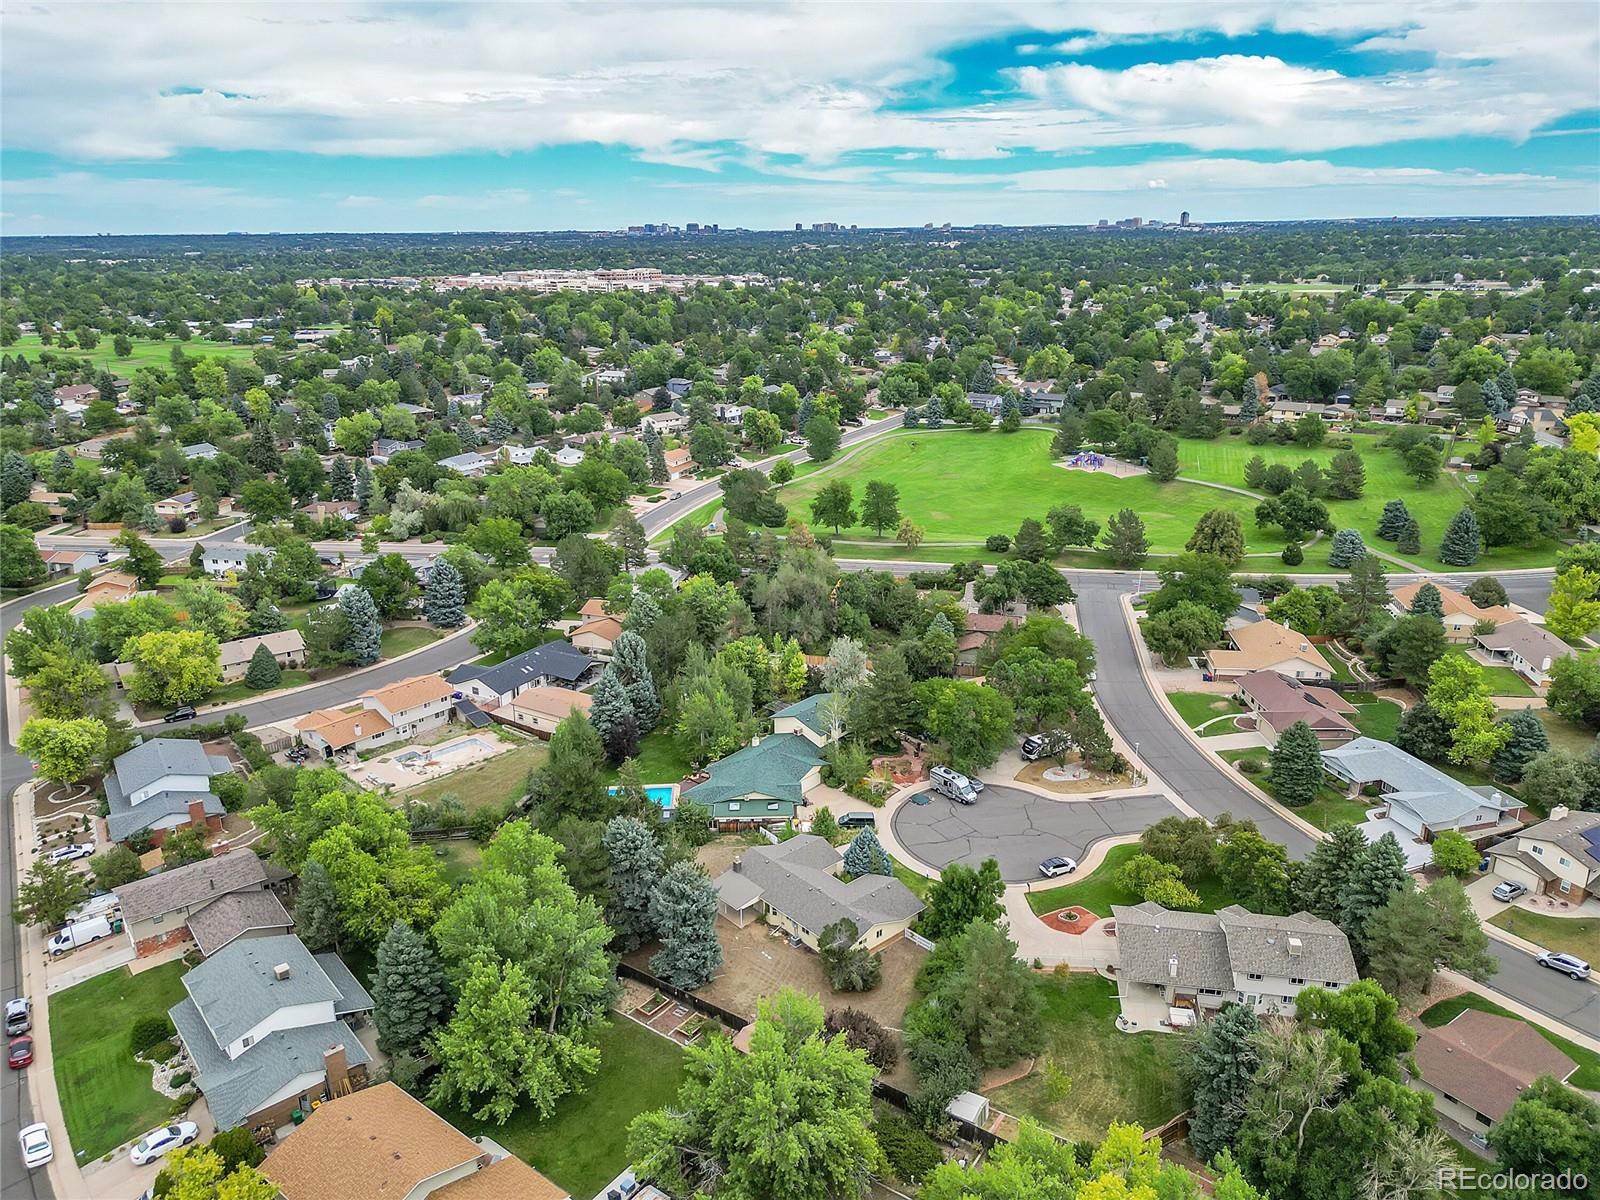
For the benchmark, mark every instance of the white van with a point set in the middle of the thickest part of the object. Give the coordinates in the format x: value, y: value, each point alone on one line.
x: 953, y: 784
x: 80, y: 933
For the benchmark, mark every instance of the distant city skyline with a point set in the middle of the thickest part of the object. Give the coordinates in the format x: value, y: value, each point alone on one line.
x: 167, y: 118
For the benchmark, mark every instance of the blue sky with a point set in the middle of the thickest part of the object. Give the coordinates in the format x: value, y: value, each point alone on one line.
x: 207, y: 118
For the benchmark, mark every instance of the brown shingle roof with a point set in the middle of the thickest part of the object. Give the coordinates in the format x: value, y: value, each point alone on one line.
x: 1264, y: 645
x: 408, y: 693
x: 189, y: 886
x: 1453, y: 602
x: 343, y: 727
x: 1485, y: 1060
x: 507, y: 1179
x: 551, y: 702
x: 607, y: 628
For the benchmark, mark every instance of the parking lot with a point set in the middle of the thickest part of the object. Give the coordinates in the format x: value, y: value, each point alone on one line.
x: 1018, y: 829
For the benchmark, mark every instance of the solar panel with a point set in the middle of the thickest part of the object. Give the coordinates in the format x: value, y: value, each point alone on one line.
x: 1592, y: 837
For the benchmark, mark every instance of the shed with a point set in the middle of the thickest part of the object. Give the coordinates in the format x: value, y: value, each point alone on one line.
x: 971, y: 1108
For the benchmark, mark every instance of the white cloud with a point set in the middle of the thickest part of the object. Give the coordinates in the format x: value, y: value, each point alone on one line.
x: 358, y: 201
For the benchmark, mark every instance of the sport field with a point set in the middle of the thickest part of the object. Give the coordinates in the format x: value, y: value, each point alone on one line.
x: 106, y: 1095
x: 584, y: 1144
x: 1587, y: 1075
x: 1574, y: 935
x: 1099, y: 890
x: 963, y: 486
x: 146, y: 352
x: 1115, y: 1076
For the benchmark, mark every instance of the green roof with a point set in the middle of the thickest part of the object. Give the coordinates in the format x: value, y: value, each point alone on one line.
x: 805, y: 711
x: 772, y: 769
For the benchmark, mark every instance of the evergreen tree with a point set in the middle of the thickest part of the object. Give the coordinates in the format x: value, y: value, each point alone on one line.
x: 1347, y: 547
x: 499, y: 427
x: 16, y: 479
x: 1423, y: 733
x: 683, y: 910
x: 1394, y: 518
x: 1587, y: 397
x: 611, y: 712
x: 1379, y: 875
x: 316, y: 908
x: 264, y: 618
x: 1327, y: 873
x: 636, y: 862
x: 363, y: 489
x: 1410, y: 539
x: 1463, y: 543
x: 1125, y: 539
x: 865, y: 855
x: 1347, y: 476
x: 263, y: 673
x: 1428, y: 602
x: 657, y: 453
x: 342, y: 482
x: 1249, y: 406
x: 630, y: 659
x: 1528, y: 740
x: 410, y: 997
x: 444, y: 601
x: 365, y: 644
x: 1220, y: 1066
x: 1255, y: 473
x: 1297, y: 765
x: 569, y: 782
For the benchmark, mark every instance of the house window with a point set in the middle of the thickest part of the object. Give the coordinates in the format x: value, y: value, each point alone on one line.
x: 1296, y: 981
x: 1252, y: 975
x: 246, y: 1043
x: 1539, y: 850
x: 1566, y: 885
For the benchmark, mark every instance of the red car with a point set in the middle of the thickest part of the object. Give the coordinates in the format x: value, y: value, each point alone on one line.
x: 19, y: 1053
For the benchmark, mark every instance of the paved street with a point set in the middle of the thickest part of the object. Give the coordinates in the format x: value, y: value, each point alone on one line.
x: 1019, y: 829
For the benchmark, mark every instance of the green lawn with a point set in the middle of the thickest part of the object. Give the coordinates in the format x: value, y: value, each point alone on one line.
x: 1587, y: 1075
x: 406, y: 638
x: 1330, y: 808
x: 457, y: 860
x: 919, y: 884
x: 1564, y: 734
x: 1202, y: 708
x: 492, y: 783
x: 233, y: 693
x: 1575, y: 935
x: 147, y: 352
x: 1115, y: 1076
x: 1501, y: 681
x: 106, y: 1095
x: 1377, y: 719
x: 962, y: 486
x: 1099, y: 890
x: 659, y: 760
x: 584, y: 1144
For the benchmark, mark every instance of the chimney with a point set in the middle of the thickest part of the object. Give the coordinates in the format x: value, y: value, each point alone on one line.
x: 197, y: 812
x: 1172, y: 966
x: 1559, y: 812
x: 281, y: 972
x: 337, y: 1066
x: 738, y: 864
x: 357, y: 729
x: 1296, y: 947
x: 1304, y: 646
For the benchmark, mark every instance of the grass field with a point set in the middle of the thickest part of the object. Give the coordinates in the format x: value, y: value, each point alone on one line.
x: 659, y: 760
x: 1564, y: 735
x: 232, y: 693
x: 919, y: 884
x: 406, y: 638
x: 147, y: 352
x: 106, y: 1095
x: 1203, y: 708
x: 1587, y: 1075
x: 1575, y: 935
x: 1378, y: 719
x: 1329, y: 808
x: 584, y: 1144
x: 963, y: 486
x: 492, y: 783
x: 1115, y: 1076
x: 1501, y: 681
x: 1099, y: 890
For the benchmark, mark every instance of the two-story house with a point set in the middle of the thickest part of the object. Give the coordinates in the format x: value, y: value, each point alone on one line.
x: 210, y: 902
x: 161, y: 785
x: 221, y: 558
x: 1200, y: 961
x: 264, y: 1024
x: 392, y: 713
x: 1559, y: 857
x: 553, y: 664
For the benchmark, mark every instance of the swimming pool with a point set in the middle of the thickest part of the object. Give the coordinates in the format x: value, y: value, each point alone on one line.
x: 661, y: 793
x: 457, y: 747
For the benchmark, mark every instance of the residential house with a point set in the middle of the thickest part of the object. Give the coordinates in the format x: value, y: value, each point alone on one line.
x: 665, y: 421
x: 55, y: 503
x: 75, y: 397
x: 211, y: 902
x: 471, y: 464
x: 1461, y: 615
x: 222, y: 557
x: 1422, y: 800
x: 347, y: 510
x: 679, y: 388
x: 540, y: 709
x: 383, y: 449
x: 980, y: 630
x: 69, y: 562
x: 381, y: 1144
x: 1267, y: 646
x: 265, y: 1027
x: 558, y: 665
x: 812, y: 718
x: 518, y: 456
x: 538, y: 390
x: 1559, y: 858
x: 1201, y: 961
x: 287, y: 647
x: 591, y: 608
x: 1528, y: 649
x: 679, y: 462
x: 596, y: 637
x: 392, y: 713
x: 766, y: 781
x: 569, y: 456
x: 1478, y: 1063
x: 796, y: 886
x: 185, y: 505
x: 111, y: 588
x: 161, y: 785
x: 200, y: 450
x: 1278, y: 702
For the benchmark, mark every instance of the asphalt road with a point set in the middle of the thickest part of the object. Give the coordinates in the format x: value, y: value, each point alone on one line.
x: 1018, y: 829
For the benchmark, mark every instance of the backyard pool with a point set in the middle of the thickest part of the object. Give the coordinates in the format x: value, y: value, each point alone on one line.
x: 661, y: 793
x: 459, y: 746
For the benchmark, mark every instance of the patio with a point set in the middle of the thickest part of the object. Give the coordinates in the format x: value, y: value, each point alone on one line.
x: 1418, y: 854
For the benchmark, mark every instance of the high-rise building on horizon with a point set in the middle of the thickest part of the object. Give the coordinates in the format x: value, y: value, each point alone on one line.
x: 1183, y: 218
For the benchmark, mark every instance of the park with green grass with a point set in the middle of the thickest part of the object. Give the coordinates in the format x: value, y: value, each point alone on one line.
x: 147, y: 352
x: 961, y: 487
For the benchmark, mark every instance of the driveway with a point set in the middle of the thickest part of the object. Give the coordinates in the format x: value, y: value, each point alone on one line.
x: 1018, y: 828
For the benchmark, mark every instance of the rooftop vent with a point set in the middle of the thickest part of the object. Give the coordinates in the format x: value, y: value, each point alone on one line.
x: 1172, y: 966
x: 281, y: 972
x: 1296, y: 946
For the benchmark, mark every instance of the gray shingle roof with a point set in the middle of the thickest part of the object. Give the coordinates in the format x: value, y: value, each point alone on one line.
x: 794, y: 879
x: 235, y: 989
x: 163, y: 809
x: 160, y: 757
x: 1266, y: 945
x: 1208, y: 948
x: 555, y: 660
x: 185, y: 887
x: 1427, y: 791
x: 220, y: 922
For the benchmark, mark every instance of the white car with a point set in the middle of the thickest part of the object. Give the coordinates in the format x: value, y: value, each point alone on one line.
x: 63, y: 854
x: 35, y: 1143
x: 1567, y: 964
x: 158, y: 1141
x: 1059, y: 865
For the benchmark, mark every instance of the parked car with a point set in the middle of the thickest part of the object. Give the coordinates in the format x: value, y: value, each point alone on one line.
x: 19, y: 1052
x: 35, y: 1142
x: 184, y: 712
x: 1032, y: 748
x: 1509, y: 890
x: 858, y: 820
x: 1057, y: 865
x: 158, y: 1141
x: 74, y: 850
x: 1567, y: 964
x: 953, y: 784
x: 79, y: 933
x: 19, y: 1016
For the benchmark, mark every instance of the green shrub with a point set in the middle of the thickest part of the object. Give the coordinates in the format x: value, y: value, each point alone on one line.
x: 181, y: 1078
x: 237, y: 1147
x: 911, y: 1154
x: 161, y: 1052
x: 149, y: 1031
x: 1251, y: 766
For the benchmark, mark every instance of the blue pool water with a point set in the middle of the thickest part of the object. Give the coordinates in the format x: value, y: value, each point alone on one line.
x: 660, y: 793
